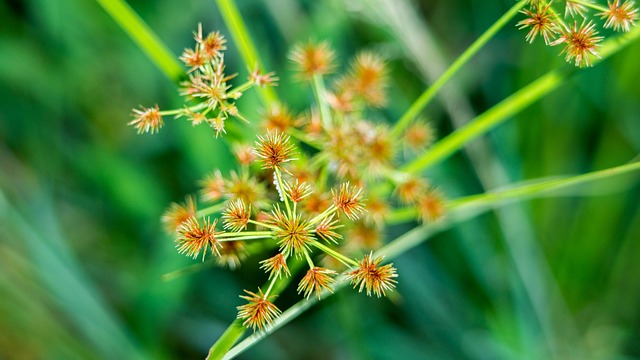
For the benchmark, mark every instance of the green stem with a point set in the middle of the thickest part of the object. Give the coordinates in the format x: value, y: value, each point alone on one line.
x: 240, y: 35
x: 285, y: 198
x: 323, y: 215
x: 319, y: 92
x: 510, y: 106
x: 590, y: 5
x: 260, y: 223
x: 248, y: 233
x: 210, y: 210
x: 243, y: 238
x: 431, y: 91
x: 420, y: 234
x: 309, y: 261
x: 142, y: 35
x: 343, y: 259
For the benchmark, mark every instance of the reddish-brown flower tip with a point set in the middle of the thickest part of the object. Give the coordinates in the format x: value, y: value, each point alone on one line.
x: 276, y: 266
x: 176, y: 214
x: 316, y: 280
x: 431, y: 206
x: 297, y: 191
x: 580, y: 43
x: 325, y: 229
x: 213, y: 45
x: 620, y: 17
x: 348, y: 199
x: 372, y: 277
x: 259, y: 312
x: 274, y: 149
x: 542, y: 22
x: 236, y: 216
x: 213, y: 187
x: 195, y: 238
x: 147, y: 120
x: 313, y: 59
x: 193, y: 59
x: 293, y: 233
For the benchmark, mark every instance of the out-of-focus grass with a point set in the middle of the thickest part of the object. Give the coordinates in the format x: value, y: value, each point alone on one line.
x: 82, y: 252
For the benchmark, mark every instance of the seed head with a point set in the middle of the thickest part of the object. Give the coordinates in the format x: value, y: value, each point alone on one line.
x: 325, y: 230
x: 275, y: 266
x: 316, y: 203
x: 410, y: 190
x: 213, y: 45
x: 278, y: 118
x: 313, y: 59
x: 574, y: 9
x: 373, y: 277
x: 274, y: 149
x: 348, y: 199
x: 231, y: 254
x: 193, y: 59
x: 620, y: 17
x: 368, y: 78
x: 363, y: 236
x: 147, y: 120
x: 259, y: 312
x: 316, y: 280
x: 194, y: 238
x: 297, y: 191
x: 293, y: 233
x: 262, y: 80
x: 541, y: 21
x: 580, y: 43
x: 244, y: 154
x: 176, y: 214
x: 419, y: 135
x: 236, y: 216
x: 213, y: 187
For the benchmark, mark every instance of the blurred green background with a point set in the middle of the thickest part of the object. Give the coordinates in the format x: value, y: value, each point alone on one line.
x: 81, y: 247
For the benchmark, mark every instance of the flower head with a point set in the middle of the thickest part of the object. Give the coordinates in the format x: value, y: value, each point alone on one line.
x: 371, y: 276
x: 147, y: 120
x: 348, y: 199
x: 620, y: 17
x: 541, y: 21
x: 574, y: 8
x: 313, y: 59
x: 274, y: 149
x: 419, y: 135
x: 580, y: 43
x: 368, y: 78
x: 276, y: 266
x: 231, y: 254
x: 293, y: 233
x: 259, y: 312
x: 213, y: 187
x: 316, y: 280
x: 262, y: 80
x: 236, y: 216
x: 297, y: 191
x: 325, y: 229
x: 278, y: 118
x: 176, y: 214
x: 194, y: 238
x: 431, y: 206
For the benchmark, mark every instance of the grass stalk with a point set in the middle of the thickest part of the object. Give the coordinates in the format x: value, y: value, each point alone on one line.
x: 428, y: 95
x: 144, y: 37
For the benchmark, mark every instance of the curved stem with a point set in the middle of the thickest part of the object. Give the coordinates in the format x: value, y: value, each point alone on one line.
x: 464, y: 58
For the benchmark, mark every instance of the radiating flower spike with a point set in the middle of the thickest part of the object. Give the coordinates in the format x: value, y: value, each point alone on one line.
x: 581, y: 42
x: 317, y: 280
x: 195, y: 238
x: 313, y: 59
x: 236, y: 216
x: 259, y: 312
x: 276, y: 266
x: 372, y: 277
x: 348, y: 199
x: 620, y: 17
x: 147, y: 120
x: 274, y: 150
x: 541, y: 21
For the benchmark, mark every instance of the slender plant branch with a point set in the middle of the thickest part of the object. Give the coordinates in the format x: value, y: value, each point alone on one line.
x: 464, y: 58
x: 240, y: 35
x: 142, y: 35
x: 510, y: 106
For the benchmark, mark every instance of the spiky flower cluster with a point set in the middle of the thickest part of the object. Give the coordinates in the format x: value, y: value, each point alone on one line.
x: 576, y: 29
x: 307, y: 208
x: 207, y: 87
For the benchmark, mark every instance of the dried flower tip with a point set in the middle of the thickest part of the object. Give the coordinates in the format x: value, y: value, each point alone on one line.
x: 259, y: 312
x: 231, y: 254
x: 348, y: 199
x: 274, y: 149
x: 580, y: 43
x: 213, y: 187
x: 431, y: 206
x: 244, y: 154
x: 217, y: 124
x: 419, y: 135
x: 278, y: 118
x: 147, y: 120
x: 236, y: 215
x: 574, y: 8
x: 313, y: 59
x: 193, y: 59
x: 275, y: 266
x: 325, y: 228
x: 194, y: 238
x: 410, y: 189
x: 262, y: 80
x: 316, y: 280
x: 293, y: 233
x: 620, y: 17
x: 297, y: 191
x: 373, y: 277
x: 541, y: 21
x: 176, y: 214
